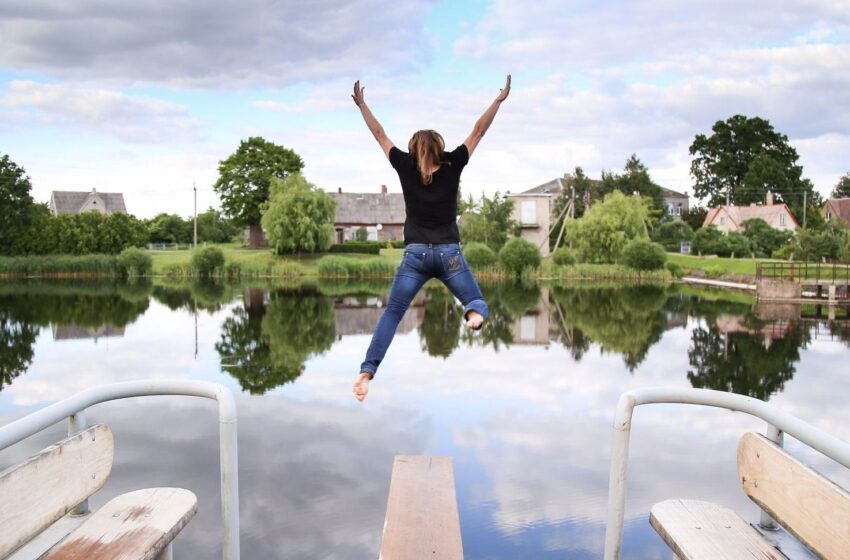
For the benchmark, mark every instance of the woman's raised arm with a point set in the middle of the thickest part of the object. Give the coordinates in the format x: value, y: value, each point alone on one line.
x: 484, y: 122
x: 373, y: 124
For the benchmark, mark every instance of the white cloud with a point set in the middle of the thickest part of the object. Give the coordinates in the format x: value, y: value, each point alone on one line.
x: 211, y: 44
x: 107, y: 112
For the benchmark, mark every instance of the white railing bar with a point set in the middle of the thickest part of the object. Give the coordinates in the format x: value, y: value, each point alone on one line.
x: 72, y: 406
x: 815, y: 438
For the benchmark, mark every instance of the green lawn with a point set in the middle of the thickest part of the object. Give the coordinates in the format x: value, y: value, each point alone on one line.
x: 716, y: 266
x: 262, y: 259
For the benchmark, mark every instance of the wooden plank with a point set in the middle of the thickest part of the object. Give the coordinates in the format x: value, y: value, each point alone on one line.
x: 697, y: 530
x: 134, y: 526
x: 46, y: 486
x: 809, y: 506
x: 422, y: 518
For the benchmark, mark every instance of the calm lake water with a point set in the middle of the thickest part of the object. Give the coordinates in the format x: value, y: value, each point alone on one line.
x: 524, y: 407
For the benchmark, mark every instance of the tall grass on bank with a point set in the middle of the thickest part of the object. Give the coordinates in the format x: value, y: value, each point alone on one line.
x: 237, y: 271
x: 61, y: 266
x: 586, y: 271
x: 340, y: 268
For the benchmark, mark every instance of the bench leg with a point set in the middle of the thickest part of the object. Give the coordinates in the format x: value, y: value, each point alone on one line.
x: 166, y: 554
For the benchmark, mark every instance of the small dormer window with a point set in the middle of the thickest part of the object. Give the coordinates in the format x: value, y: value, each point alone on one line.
x: 722, y: 220
x: 782, y: 219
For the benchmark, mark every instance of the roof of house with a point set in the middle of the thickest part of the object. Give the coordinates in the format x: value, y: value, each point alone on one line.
x: 549, y: 187
x: 740, y: 214
x: 71, y: 202
x: 670, y: 193
x: 369, y: 208
x: 558, y: 184
x: 841, y: 207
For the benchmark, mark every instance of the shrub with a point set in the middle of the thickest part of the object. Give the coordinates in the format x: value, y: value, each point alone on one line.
x: 518, y: 254
x: 641, y: 254
x: 675, y: 270
x: 361, y: 234
x: 134, y: 262
x: 207, y: 261
x: 713, y: 271
x: 564, y: 256
x: 600, y: 235
x: 735, y: 244
x: 479, y: 255
x: 366, y: 247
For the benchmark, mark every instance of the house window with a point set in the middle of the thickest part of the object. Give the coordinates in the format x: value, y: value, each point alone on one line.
x: 782, y: 219
x: 722, y: 220
x: 528, y: 214
x: 828, y: 215
x: 679, y: 209
x: 670, y: 208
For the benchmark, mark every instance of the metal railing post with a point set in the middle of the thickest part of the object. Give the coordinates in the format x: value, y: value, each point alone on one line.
x: 775, y: 435
x: 76, y: 424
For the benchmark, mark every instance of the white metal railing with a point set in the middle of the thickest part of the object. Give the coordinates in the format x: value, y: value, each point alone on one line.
x: 74, y: 409
x: 778, y: 423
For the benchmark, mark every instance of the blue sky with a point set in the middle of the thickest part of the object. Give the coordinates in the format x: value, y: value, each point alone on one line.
x: 146, y: 98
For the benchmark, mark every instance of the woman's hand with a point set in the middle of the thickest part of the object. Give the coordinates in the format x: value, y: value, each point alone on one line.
x: 361, y: 386
x: 357, y: 96
x: 505, y: 90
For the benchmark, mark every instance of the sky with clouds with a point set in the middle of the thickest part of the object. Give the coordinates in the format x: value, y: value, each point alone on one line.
x: 146, y: 98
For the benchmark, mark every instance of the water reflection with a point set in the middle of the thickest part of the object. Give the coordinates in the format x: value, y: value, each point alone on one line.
x: 531, y: 457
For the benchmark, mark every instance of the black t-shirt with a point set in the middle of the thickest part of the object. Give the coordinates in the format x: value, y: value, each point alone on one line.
x: 431, y: 209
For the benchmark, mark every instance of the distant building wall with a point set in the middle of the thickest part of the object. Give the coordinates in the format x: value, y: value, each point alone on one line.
x: 533, y: 212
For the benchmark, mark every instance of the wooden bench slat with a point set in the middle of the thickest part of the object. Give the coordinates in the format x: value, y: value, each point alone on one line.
x: 422, y: 517
x: 133, y: 526
x: 697, y: 530
x: 809, y: 506
x: 46, y: 486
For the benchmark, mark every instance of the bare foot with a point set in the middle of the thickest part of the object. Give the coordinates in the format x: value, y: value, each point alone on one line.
x: 361, y: 386
x: 474, y: 320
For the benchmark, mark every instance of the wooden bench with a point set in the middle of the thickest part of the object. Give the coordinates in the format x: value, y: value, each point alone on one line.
x: 422, y: 520
x: 38, y: 494
x: 807, y: 505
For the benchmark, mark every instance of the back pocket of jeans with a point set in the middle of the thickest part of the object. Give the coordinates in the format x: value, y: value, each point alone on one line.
x: 413, y: 260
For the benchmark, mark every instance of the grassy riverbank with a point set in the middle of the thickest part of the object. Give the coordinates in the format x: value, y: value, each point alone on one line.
x: 262, y: 263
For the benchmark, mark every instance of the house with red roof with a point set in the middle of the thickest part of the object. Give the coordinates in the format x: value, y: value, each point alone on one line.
x: 837, y: 209
x: 730, y: 218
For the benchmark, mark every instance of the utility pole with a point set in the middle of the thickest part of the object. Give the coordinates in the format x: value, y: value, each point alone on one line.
x: 804, y: 209
x: 195, y: 235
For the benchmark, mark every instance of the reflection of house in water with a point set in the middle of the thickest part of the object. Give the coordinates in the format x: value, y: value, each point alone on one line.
x: 533, y: 327
x: 76, y: 332
x: 360, y: 316
x: 769, y: 331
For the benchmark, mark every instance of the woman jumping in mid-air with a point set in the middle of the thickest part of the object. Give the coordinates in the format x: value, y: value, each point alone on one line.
x: 429, y: 177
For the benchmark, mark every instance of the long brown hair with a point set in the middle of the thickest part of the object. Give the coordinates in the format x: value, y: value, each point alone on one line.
x: 426, y: 147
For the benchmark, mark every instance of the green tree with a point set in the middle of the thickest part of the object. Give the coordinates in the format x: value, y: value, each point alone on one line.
x: 17, y: 340
x: 764, y: 240
x: 489, y: 222
x: 299, y: 216
x: 583, y: 187
x: 635, y: 179
x: 245, y: 177
x: 695, y: 217
x: 842, y: 188
x: 169, y: 228
x: 439, y: 332
x: 599, y: 236
x: 746, y: 157
x: 671, y: 233
x: 16, y: 205
x: 708, y: 241
x: 519, y: 254
x: 213, y: 227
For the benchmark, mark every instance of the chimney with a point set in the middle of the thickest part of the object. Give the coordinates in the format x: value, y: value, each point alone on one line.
x: 383, y: 189
x: 339, y: 190
x: 769, y: 198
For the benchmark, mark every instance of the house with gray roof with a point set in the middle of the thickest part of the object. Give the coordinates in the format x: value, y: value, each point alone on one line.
x: 75, y: 202
x: 380, y: 214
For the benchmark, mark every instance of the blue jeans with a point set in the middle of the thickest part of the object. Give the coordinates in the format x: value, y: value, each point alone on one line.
x: 420, y: 263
